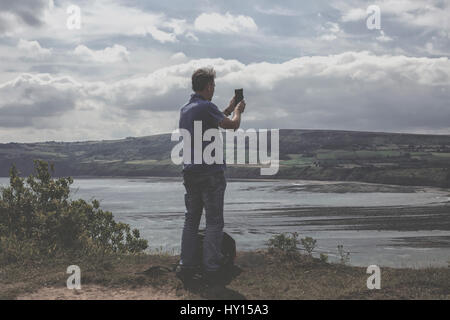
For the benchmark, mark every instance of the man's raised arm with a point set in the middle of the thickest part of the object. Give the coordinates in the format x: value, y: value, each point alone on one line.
x: 235, y: 122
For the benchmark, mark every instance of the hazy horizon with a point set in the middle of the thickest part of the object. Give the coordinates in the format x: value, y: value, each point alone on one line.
x: 165, y: 133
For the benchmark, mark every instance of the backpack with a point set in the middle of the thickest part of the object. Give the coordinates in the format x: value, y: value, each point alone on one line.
x: 228, y: 250
x: 228, y: 268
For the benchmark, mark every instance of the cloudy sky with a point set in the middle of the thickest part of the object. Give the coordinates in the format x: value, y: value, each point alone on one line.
x: 303, y: 64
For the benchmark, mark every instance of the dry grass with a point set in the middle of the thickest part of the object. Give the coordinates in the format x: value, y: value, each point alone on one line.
x: 264, y: 276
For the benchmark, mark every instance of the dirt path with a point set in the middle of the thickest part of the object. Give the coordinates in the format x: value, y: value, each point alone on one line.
x: 96, y: 292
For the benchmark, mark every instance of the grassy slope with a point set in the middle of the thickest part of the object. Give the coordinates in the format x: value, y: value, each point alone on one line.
x: 265, y: 276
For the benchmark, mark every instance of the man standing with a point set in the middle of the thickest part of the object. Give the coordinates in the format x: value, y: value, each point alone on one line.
x: 204, y: 183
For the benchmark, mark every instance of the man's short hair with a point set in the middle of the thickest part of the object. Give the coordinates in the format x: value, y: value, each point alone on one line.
x: 201, y: 78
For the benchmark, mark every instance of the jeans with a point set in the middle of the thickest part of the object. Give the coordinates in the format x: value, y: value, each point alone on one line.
x: 203, y: 191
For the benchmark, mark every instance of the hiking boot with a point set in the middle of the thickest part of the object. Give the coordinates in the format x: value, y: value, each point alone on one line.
x: 214, y: 278
x: 185, y: 273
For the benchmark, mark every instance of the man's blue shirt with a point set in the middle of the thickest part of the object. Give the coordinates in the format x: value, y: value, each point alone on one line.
x: 199, y: 109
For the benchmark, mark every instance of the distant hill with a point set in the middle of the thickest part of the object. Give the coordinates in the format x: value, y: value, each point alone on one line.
x: 406, y: 159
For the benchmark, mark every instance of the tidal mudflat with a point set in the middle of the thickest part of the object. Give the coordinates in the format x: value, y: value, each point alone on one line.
x: 387, y: 225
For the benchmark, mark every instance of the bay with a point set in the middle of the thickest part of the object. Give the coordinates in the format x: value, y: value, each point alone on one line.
x: 378, y: 224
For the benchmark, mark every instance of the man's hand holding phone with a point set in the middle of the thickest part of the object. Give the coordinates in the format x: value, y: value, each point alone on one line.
x: 240, y: 106
x: 237, y: 104
x: 239, y: 100
x: 230, y: 107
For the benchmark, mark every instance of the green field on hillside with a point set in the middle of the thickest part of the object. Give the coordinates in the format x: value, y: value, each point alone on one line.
x: 407, y: 159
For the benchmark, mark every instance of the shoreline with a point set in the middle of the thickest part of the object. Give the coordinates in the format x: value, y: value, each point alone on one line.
x: 324, y: 182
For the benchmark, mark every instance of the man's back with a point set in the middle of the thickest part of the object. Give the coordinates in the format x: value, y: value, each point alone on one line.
x: 199, y: 109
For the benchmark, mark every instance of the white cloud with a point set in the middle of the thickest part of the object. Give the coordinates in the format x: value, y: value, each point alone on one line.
x: 227, y: 23
x: 332, y: 30
x: 333, y: 27
x: 160, y: 35
x: 383, y: 37
x: 354, y: 14
x: 32, y: 100
x: 353, y: 90
x: 277, y: 11
x: 33, y: 50
x: 192, y: 36
x: 16, y: 16
x: 328, y: 37
x: 178, y: 57
x: 109, y: 18
x: 179, y: 26
x: 108, y: 55
x: 421, y: 13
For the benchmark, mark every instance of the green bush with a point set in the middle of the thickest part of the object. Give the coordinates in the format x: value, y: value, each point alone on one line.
x: 309, y: 244
x: 284, y: 242
x: 37, y: 219
x: 323, y: 257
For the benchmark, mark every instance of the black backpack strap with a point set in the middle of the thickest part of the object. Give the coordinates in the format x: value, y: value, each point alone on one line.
x: 156, y: 270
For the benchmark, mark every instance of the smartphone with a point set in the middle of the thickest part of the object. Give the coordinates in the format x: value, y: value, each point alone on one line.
x: 239, y: 96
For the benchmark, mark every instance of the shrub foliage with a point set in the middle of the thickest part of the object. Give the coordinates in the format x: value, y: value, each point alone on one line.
x: 284, y: 242
x: 309, y: 244
x: 38, y: 219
